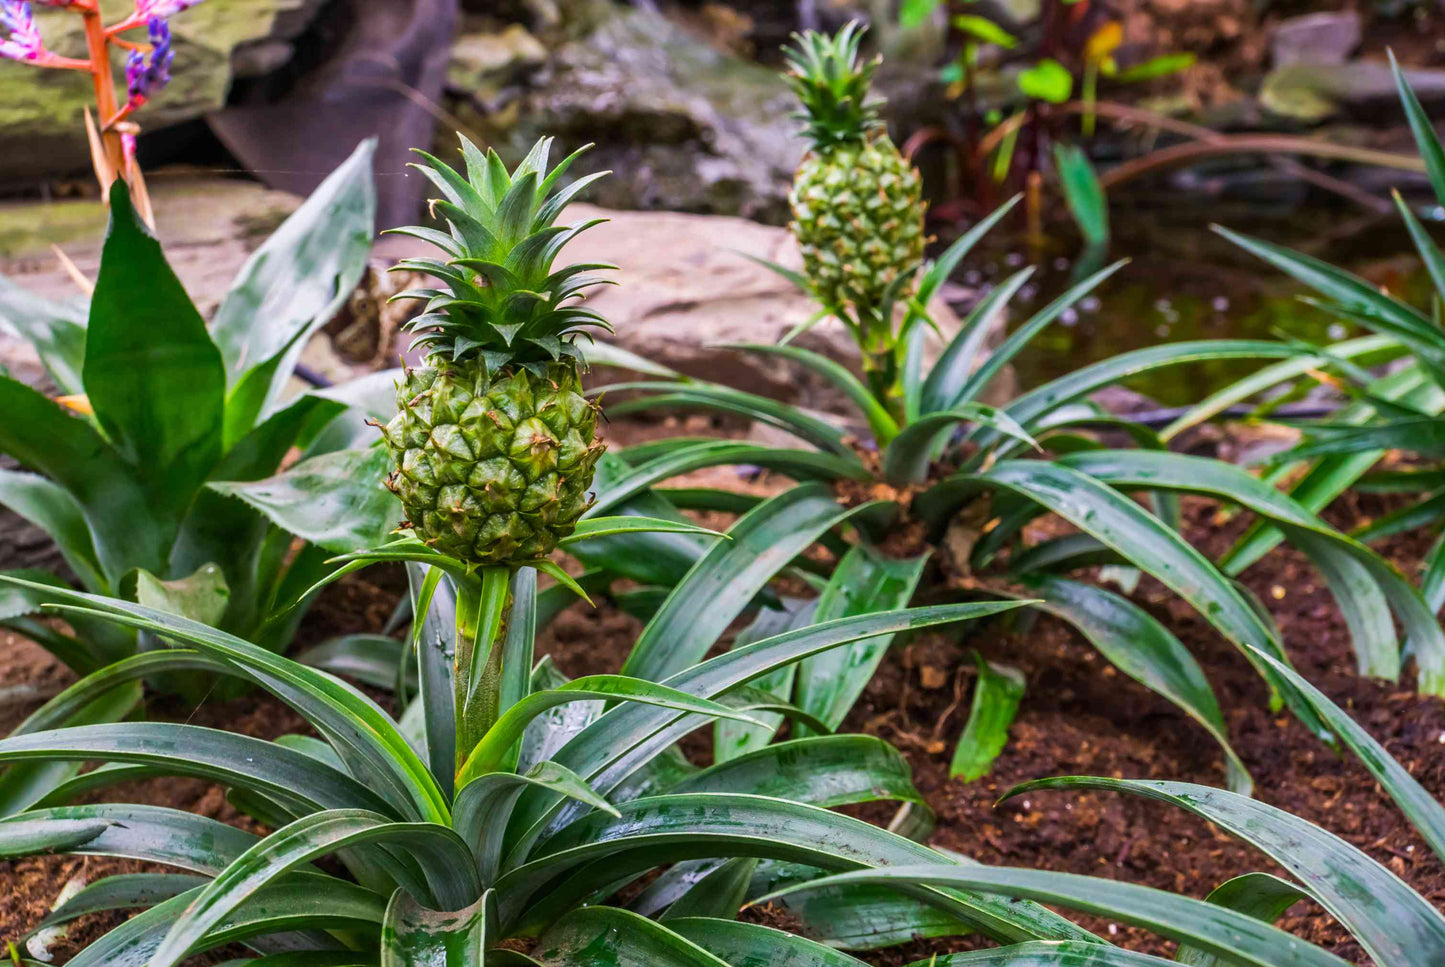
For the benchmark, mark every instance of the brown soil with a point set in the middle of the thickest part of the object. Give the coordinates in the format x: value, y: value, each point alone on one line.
x: 1078, y: 716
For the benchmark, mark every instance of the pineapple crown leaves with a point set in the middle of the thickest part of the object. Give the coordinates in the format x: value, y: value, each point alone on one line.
x: 832, y: 83
x: 502, y: 303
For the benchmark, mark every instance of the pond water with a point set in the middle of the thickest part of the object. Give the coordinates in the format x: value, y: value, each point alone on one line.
x: 1184, y: 282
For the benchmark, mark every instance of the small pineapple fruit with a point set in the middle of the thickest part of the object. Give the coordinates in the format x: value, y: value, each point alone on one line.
x: 857, y: 202
x: 493, y: 446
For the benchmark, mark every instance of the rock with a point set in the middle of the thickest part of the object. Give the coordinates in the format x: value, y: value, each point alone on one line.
x: 1317, y: 38
x: 1312, y: 93
x: 481, y: 62
x: 207, y: 225
x: 683, y: 126
x: 43, y: 109
x: 686, y: 288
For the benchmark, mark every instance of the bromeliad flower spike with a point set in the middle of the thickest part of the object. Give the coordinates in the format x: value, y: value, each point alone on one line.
x: 147, y: 71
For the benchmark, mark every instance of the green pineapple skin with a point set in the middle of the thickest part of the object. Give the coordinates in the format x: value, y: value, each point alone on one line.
x: 858, y: 218
x: 494, y: 470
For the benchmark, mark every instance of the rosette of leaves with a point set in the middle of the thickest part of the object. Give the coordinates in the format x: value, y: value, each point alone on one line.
x: 514, y: 852
x: 164, y: 422
x: 1400, y: 411
x: 971, y: 477
x: 505, y: 803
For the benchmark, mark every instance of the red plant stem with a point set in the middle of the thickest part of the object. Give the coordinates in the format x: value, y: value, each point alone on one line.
x: 98, y: 44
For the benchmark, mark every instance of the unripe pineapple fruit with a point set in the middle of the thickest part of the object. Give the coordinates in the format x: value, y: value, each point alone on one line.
x: 856, y: 201
x: 493, y: 446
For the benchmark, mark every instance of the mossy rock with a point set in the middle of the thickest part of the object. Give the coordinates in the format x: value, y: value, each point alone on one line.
x: 44, y: 109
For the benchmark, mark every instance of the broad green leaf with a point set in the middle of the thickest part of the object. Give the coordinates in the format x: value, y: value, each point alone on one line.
x: 414, y: 936
x: 291, y: 286
x: 995, y: 701
x: 981, y: 28
x: 1047, y: 80
x: 202, y: 596
x: 1083, y: 193
x: 55, y: 329
x: 336, y: 500
x: 1138, y: 645
x: 593, y: 936
x: 154, y: 834
x: 433, y: 638
x: 865, y: 581
x: 152, y: 374
x: 50, y: 507
x: 1260, y: 895
x: 451, y: 875
x: 1396, y: 925
x: 126, y: 530
x: 722, y: 583
x: 1239, y: 938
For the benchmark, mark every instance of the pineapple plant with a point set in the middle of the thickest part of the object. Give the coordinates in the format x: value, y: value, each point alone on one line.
x: 856, y: 201
x: 493, y: 445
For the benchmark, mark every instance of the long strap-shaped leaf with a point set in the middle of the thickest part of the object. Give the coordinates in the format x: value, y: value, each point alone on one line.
x: 300, y: 901
x: 1172, y: 471
x: 864, y: 581
x: 720, y: 585
x: 451, y: 873
x: 154, y: 834
x: 1142, y: 648
x: 906, y: 459
x: 826, y: 771
x: 291, y: 777
x: 946, y: 378
x: 879, y: 420
x: 1123, y: 525
x: 413, y: 936
x: 1423, y: 811
x: 599, y: 848
x: 1395, y: 924
x: 820, y: 433
x: 1240, y: 938
x: 592, y: 936
x: 1067, y: 953
x: 798, y: 464
x: 750, y: 943
x: 1261, y: 895
x: 489, y: 753
x: 125, y: 891
x: 54, y: 510
x: 364, y: 735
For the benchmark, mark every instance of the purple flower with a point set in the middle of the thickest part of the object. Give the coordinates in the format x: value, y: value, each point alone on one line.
x: 144, y: 76
x: 23, y: 42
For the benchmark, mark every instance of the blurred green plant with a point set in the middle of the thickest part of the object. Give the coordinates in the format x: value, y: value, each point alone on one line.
x: 153, y: 472
x: 1398, y: 412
